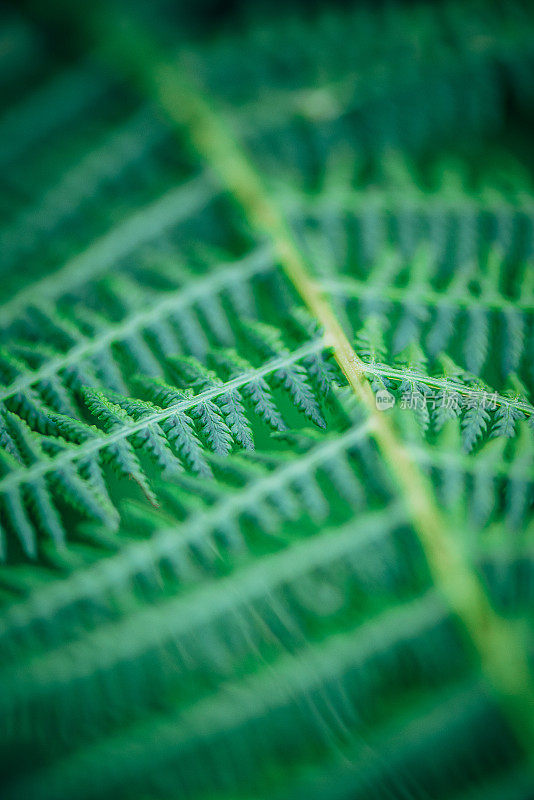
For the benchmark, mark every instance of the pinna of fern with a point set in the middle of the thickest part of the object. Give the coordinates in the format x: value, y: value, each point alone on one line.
x: 165, y: 426
x: 483, y: 306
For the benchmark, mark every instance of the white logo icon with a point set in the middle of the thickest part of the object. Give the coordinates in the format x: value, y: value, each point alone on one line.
x: 384, y: 400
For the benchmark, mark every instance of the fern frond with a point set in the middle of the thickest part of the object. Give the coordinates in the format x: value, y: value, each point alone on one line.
x: 266, y: 420
x: 132, y: 423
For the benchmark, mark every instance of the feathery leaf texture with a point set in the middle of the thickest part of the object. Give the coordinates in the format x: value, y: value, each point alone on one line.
x: 164, y: 427
x: 267, y: 467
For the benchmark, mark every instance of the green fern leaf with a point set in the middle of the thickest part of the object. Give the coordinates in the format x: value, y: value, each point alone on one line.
x: 266, y: 418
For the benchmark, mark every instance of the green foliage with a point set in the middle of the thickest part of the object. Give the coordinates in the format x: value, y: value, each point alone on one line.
x: 218, y: 575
